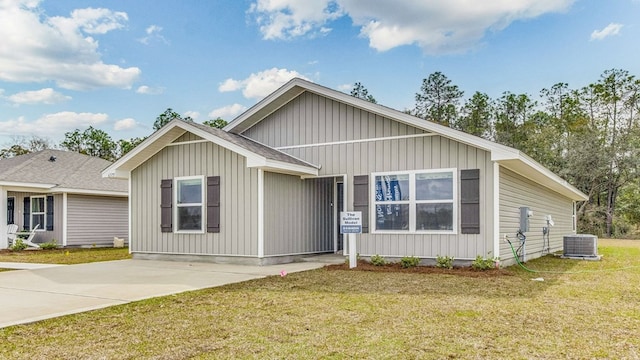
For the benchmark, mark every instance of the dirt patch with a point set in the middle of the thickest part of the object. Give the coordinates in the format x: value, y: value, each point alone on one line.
x: 363, y: 265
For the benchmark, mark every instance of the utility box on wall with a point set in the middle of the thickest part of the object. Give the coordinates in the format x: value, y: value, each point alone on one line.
x: 525, y: 214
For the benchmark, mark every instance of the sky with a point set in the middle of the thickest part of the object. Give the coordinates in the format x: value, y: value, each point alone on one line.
x: 117, y: 65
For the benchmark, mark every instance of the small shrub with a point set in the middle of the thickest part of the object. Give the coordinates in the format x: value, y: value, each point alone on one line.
x: 18, y: 245
x: 409, y: 261
x: 51, y: 245
x: 481, y: 263
x: 377, y: 260
x: 444, y: 262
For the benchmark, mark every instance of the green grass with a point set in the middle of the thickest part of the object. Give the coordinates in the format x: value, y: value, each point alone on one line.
x: 592, y: 311
x: 65, y: 256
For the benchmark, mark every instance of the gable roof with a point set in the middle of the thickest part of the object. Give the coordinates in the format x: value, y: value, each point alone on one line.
x: 257, y: 155
x: 59, y: 171
x: 508, y: 157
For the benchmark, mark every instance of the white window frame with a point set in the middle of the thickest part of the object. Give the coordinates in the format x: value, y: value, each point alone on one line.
x: 43, y: 226
x: 176, y: 205
x: 413, y: 202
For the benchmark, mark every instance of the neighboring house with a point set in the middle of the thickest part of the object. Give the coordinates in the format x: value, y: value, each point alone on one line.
x: 65, y: 194
x: 269, y: 187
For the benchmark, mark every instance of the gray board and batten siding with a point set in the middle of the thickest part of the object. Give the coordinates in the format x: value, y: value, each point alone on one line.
x: 239, y: 195
x: 95, y: 220
x: 345, y: 140
x: 517, y: 191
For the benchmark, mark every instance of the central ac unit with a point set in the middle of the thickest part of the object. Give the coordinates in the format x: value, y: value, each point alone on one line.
x: 580, y: 245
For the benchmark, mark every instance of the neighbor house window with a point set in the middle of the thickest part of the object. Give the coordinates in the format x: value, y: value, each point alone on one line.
x: 416, y: 201
x: 38, y: 212
x: 189, y: 204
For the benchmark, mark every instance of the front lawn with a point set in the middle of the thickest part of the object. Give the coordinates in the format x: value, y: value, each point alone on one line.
x: 581, y: 310
x: 65, y: 256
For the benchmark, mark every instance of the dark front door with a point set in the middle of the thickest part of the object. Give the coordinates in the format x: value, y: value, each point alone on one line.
x: 11, y: 204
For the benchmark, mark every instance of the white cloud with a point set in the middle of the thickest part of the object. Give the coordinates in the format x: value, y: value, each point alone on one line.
x: 228, y: 112
x: 148, y: 90
x: 192, y: 114
x: 285, y: 19
x: 42, y: 96
x: 37, y: 48
x: 345, y: 87
x: 610, y: 30
x: 125, y: 124
x: 153, y: 34
x: 259, y: 85
x: 434, y: 25
x: 52, y: 125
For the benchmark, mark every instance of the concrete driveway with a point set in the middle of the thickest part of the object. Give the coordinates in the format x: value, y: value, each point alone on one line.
x: 42, y: 292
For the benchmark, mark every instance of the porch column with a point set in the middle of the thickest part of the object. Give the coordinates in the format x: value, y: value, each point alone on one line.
x: 4, y: 242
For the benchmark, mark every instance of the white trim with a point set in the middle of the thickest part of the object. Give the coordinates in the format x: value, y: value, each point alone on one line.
x: 175, y: 204
x: 90, y: 192
x: 399, y: 137
x: 260, y: 213
x: 496, y: 210
x: 65, y: 218
x: 188, y: 142
x: 412, y: 202
x: 26, y: 185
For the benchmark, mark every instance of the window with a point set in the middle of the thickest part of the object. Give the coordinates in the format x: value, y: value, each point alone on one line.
x: 417, y: 201
x: 189, y: 204
x: 38, y: 212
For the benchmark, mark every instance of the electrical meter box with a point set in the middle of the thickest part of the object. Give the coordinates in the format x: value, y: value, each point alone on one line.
x: 525, y: 214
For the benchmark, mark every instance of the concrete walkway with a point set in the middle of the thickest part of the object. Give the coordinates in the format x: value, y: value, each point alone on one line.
x: 45, y: 291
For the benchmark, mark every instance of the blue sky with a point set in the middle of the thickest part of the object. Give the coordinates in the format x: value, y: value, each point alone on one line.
x: 116, y: 65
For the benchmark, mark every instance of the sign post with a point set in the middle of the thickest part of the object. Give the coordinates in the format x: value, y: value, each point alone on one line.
x: 351, y: 224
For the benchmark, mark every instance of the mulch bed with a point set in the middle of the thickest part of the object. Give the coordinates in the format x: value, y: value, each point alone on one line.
x: 363, y: 265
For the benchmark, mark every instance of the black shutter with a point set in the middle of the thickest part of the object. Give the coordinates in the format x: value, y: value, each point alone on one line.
x: 11, y: 205
x: 26, y: 214
x: 49, y: 220
x: 213, y: 204
x: 166, y: 193
x: 361, y: 199
x: 470, y: 201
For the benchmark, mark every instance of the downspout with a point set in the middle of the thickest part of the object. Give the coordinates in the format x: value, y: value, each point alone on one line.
x: 496, y: 210
x: 260, y: 213
x: 65, y: 218
x: 4, y: 241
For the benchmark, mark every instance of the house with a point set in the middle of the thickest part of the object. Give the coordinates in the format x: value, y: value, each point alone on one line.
x: 65, y: 195
x: 269, y: 187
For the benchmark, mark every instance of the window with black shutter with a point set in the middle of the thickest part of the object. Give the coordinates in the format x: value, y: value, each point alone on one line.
x: 166, y: 208
x: 213, y: 204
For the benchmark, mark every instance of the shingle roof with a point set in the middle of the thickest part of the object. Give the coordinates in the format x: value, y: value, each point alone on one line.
x: 252, y: 146
x: 69, y: 170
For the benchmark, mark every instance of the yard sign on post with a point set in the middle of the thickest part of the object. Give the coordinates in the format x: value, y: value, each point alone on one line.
x: 351, y: 223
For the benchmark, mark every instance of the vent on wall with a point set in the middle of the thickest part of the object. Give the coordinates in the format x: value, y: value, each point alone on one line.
x: 580, y: 245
